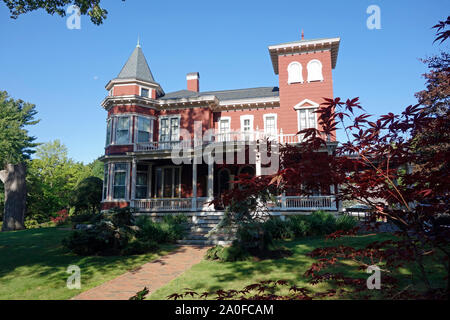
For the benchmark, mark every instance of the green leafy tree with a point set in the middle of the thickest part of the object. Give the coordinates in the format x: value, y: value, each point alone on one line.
x: 16, y: 146
x: 88, y: 195
x: 53, y: 177
x: 87, y: 7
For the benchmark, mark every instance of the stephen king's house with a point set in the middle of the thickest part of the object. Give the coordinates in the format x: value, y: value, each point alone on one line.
x: 145, y: 124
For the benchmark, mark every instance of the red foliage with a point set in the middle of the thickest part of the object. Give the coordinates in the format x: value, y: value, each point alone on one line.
x: 61, y: 217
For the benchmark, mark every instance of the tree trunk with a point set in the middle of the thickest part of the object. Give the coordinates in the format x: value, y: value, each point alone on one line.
x: 13, y: 177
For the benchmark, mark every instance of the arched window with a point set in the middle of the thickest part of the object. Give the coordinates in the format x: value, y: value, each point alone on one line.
x: 295, y: 72
x: 314, y: 71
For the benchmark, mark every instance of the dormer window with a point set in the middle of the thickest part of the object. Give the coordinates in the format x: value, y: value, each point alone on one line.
x: 145, y: 92
x: 314, y: 71
x: 295, y: 73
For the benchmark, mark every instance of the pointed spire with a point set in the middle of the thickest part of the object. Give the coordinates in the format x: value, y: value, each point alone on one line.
x: 303, y: 35
x: 137, y: 67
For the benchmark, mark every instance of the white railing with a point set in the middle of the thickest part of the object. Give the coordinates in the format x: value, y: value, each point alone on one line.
x: 162, y: 145
x: 235, y: 136
x: 305, y: 203
x: 282, y: 204
x: 164, y: 204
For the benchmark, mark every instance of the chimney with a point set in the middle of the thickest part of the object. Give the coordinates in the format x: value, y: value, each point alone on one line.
x: 193, y: 81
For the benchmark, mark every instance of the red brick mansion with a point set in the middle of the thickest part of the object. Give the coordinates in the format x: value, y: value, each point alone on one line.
x: 145, y: 124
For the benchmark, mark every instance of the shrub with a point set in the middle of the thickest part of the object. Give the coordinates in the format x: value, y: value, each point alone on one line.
x: 235, y: 252
x: 322, y: 223
x: 169, y: 230
x: 31, y: 223
x: 278, y: 228
x: 61, y: 217
x: 346, y: 222
x: 300, y: 226
x: 109, y: 236
x: 252, y: 236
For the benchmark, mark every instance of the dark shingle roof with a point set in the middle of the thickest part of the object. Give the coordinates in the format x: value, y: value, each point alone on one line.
x: 261, y: 92
x: 136, y: 67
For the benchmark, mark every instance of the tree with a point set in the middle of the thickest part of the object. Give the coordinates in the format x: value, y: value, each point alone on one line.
x: 16, y: 146
x: 87, y: 7
x: 383, y: 164
x: 88, y: 195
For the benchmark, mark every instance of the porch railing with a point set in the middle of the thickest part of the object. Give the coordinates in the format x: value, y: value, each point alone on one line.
x: 164, y: 204
x: 288, y: 203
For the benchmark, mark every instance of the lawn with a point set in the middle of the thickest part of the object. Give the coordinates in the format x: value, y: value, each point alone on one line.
x: 33, y: 265
x: 211, y: 275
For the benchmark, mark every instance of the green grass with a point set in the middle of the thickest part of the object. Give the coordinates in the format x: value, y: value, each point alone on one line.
x: 212, y: 275
x: 33, y: 265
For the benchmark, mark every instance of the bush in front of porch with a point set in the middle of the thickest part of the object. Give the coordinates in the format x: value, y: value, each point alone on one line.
x: 118, y: 233
x: 319, y: 223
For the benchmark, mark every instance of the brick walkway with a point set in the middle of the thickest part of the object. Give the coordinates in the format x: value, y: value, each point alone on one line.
x: 152, y: 275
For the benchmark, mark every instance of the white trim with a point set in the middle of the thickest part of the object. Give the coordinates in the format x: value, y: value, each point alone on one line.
x: 298, y: 117
x: 169, y: 117
x: 247, y: 117
x: 136, y: 131
x: 127, y: 181
x: 224, y: 118
x: 292, y: 77
x: 149, y: 92
x: 321, y: 72
x: 304, y: 43
x: 276, y: 121
x: 301, y: 103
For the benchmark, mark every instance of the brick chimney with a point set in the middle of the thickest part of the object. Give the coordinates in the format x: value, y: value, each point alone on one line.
x: 193, y: 81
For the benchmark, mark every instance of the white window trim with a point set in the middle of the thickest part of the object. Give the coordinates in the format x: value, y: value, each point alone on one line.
x: 227, y: 119
x: 301, y: 72
x: 149, y: 91
x: 109, y: 121
x: 127, y: 181
x: 266, y: 115
x: 321, y: 70
x: 247, y: 117
x: 130, y: 125
x: 152, y: 128
x: 298, y: 117
x: 169, y: 117
x: 311, y: 103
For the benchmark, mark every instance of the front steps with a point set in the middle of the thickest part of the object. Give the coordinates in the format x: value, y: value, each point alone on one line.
x: 199, y: 228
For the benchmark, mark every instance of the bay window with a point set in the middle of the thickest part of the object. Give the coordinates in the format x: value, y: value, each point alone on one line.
x: 108, y: 132
x: 120, y: 180
x: 144, y: 129
x: 122, y: 130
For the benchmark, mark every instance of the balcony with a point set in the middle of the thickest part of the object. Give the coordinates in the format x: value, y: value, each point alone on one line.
x: 217, y: 137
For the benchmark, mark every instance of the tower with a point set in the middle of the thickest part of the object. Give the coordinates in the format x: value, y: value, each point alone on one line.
x: 304, y: 68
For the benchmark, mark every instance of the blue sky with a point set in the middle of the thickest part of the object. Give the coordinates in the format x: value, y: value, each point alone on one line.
x: 64, y: 71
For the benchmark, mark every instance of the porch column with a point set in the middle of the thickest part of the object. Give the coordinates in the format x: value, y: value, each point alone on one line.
x: 133, y: 178
x: 210, y: 192
x: 258, y: 163
x: 194, y: 185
